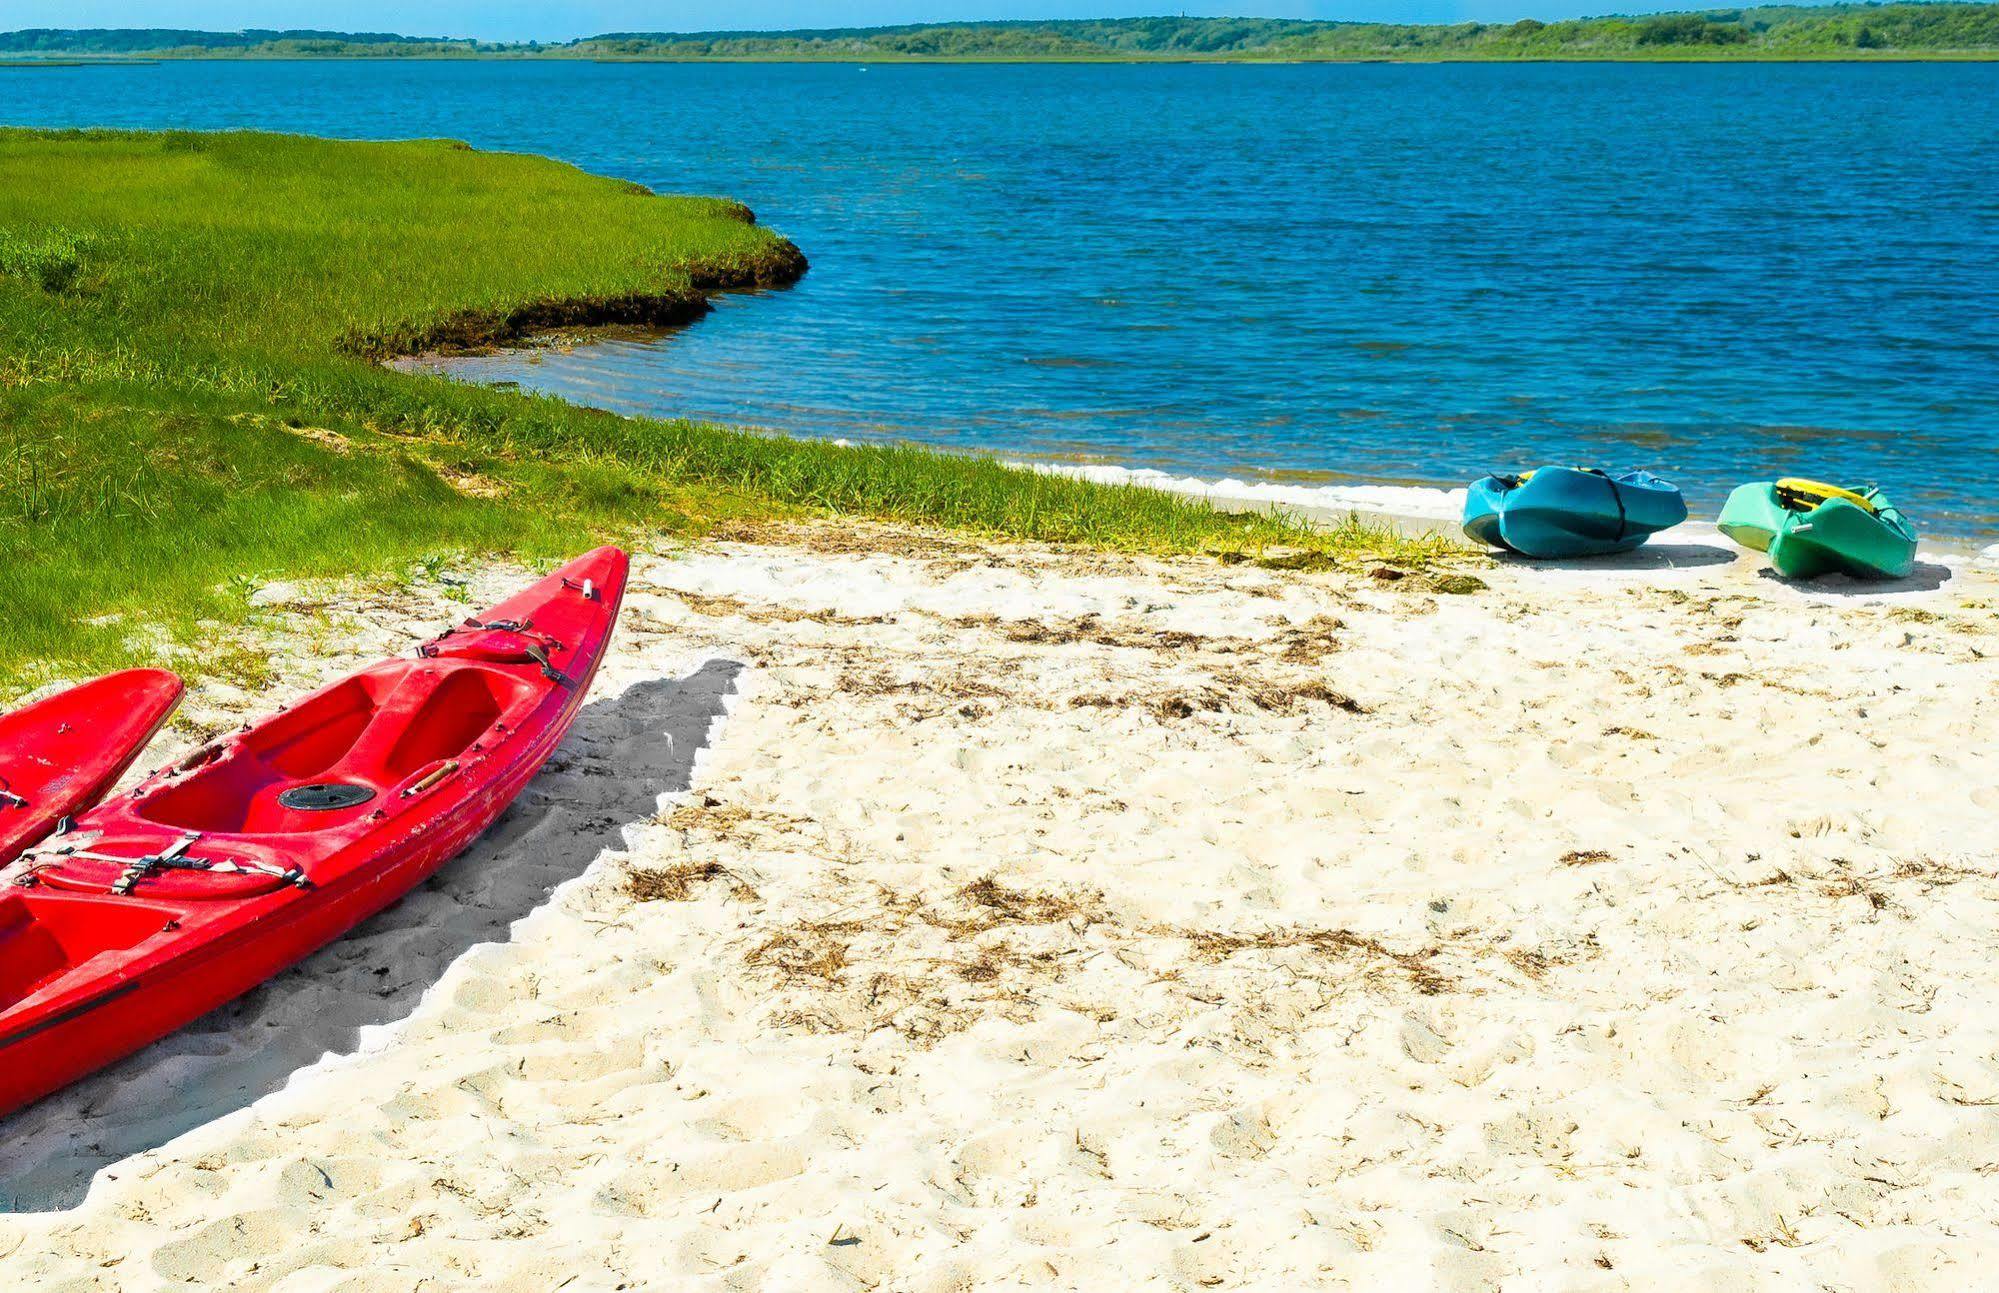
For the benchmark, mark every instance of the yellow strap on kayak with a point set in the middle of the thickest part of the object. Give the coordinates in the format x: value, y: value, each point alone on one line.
x: 1804, y: 495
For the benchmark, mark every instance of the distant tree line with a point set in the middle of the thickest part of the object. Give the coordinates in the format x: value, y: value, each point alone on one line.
x: 1765, y: 31
x: 156, y: 42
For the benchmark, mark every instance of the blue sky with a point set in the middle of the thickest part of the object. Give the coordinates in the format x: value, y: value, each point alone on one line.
x: 562, y: 19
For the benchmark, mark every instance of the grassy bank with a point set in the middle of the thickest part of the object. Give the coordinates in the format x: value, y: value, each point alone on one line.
x: 190, y: 403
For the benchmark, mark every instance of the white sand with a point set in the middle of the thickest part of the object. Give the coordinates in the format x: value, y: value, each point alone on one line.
x: 1639, y: 933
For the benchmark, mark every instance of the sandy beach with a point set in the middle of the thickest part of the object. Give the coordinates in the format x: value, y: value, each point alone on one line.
x: 910, y: 913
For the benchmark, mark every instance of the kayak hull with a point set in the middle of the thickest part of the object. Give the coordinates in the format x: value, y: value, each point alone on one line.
x: 1560, y: 512
x: 1836, y: 537
x: 59, y: 755
x: 442, y: 744
x: 135, y: 1013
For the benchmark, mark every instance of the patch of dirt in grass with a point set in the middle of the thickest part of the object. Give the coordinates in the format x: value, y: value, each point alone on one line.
x: 330, y: 439
x: 471, y: 484
x: 322, y: 436
x: 240, y: 664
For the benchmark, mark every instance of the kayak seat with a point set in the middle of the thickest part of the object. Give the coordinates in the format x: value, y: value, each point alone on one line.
x: 426, y: 719
x: 373, y: 732
x: 1808, y: 495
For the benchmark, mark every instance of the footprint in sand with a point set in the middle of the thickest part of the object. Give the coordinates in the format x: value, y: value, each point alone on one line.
x: 208, y: 1254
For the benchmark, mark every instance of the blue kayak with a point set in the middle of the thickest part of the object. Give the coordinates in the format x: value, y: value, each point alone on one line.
x: 1571, y: 511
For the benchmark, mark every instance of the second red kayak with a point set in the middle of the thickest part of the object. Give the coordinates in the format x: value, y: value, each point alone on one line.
x: 216, y: 873
x: 58, y: 756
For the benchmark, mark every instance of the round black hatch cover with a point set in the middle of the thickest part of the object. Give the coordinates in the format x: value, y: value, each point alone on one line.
x: 325, y: 797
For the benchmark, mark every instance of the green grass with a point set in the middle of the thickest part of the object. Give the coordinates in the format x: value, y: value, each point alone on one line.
x: 189, y: 402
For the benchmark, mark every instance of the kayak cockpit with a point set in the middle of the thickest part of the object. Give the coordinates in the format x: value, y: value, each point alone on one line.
x: 259, y: 812
x: 340, y: 754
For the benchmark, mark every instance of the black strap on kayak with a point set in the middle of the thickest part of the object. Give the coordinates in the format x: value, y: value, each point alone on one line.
x: 536, y: 652
x: 1617, y: 497
x: 540, y: 656
x: 473, y: 624
x: 8, y: 799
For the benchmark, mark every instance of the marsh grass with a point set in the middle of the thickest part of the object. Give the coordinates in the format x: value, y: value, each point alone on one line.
x: 50, y: 259
x: 189, y: 400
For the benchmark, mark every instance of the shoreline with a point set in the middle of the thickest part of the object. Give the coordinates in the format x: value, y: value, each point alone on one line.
x: 1418, y: 508
x: 1412, y: 510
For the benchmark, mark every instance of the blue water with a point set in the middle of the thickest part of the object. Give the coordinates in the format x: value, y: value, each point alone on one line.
x: 1364, y: 274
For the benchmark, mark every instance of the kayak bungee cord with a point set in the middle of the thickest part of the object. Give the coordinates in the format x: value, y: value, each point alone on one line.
x: 172, y: 858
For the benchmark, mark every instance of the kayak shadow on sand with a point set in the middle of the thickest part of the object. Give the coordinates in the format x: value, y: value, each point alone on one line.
x: 1926, y: 577
x: 624, y: 753
x: 1650, y: 556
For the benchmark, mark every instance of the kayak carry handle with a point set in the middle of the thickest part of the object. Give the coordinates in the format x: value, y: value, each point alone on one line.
x: 205, y: 754
x: 431, y: 778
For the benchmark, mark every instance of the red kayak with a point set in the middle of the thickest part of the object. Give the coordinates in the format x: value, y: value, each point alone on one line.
x: 58, y: 756
x: 218, y: 872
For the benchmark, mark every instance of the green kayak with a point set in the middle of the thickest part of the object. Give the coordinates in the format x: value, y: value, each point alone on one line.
x: 1812, y: 529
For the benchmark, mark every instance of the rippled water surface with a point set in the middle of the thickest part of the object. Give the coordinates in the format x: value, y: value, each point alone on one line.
x: 1367, y: 274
